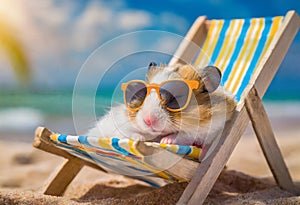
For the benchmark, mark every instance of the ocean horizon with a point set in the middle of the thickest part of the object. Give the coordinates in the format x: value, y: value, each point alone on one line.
x: 59, y: 102
x: 22, y: 111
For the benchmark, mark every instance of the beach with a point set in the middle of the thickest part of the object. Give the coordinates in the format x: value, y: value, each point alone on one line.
x: 246, y: 179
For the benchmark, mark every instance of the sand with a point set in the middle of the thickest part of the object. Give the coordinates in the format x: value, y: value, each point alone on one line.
x: 246, y: 180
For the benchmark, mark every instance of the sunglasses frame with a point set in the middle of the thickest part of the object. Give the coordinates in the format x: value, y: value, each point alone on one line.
x: 192, y: 84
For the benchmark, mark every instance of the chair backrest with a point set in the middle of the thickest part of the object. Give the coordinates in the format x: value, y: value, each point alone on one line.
x: 237, y: 47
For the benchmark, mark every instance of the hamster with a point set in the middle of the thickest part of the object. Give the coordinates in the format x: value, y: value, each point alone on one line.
x: 198, y: 124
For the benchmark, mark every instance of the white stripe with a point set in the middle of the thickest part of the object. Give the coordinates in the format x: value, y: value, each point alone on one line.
x: 124, y: 143
x: 206, y: 59
x: 93, y: 141
x: 232, y: 38
x: 243, y: 60
x: 73, y: 140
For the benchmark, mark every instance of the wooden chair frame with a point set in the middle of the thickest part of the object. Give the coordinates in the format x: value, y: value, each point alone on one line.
x: 250, y: 108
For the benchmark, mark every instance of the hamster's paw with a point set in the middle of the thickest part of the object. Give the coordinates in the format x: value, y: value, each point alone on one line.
x: 170, y: 139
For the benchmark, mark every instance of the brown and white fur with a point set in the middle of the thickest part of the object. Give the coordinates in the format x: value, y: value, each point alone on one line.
x: 198, y: 124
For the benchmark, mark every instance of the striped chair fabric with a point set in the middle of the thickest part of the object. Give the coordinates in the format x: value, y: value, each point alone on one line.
x: 122, y: 155
x: 237, y: 47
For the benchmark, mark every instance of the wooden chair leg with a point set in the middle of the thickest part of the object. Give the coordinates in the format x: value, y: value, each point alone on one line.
x: 266, y: 138
x: 58, y: 183
x: 61, y: 180
x: 209, y: 169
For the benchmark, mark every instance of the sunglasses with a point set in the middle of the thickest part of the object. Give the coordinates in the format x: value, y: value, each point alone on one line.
x: 175, y: 95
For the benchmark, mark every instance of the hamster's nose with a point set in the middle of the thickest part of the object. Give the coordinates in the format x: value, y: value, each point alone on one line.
x: 150, y: 120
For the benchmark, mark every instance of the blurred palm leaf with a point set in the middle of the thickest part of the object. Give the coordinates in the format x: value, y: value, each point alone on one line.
x: 14, y: 51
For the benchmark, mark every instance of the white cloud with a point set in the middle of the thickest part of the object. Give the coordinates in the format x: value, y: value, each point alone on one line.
x: 58, y: 35
x: 96, y: 14
x: 133, y: 19
x: 60, y: 14
x: 89, y: 27
x: 101, y: 20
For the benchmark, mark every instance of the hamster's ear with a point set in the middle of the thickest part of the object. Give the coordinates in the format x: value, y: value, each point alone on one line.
x: 152, y: 66
x: 211, y: 77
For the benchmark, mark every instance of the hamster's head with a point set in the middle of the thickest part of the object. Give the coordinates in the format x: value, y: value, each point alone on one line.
x: 153, y: 118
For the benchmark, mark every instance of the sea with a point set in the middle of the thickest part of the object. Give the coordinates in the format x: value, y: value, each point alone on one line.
x: 22, y: 111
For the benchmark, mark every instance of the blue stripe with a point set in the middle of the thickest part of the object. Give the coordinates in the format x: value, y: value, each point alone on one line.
x: 115, y: 144
x: 257, y: 54
x: 237, y: 50
x: 83, y: 140
x: 220, y: 41
x: 183, y: 150
x: 62, y: 138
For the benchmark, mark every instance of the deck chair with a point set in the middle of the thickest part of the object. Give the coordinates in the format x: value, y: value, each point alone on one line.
x: 248, y: 52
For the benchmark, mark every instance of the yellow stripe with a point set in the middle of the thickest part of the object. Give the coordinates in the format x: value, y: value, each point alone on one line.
x: 163, y: 146
x: 210, y: 43
x: 54, y: 137
x: 233, y: 45
x: 105, y: 143
x: 171, y: 148
x: 215, y: 38
x: 132, y: 147
x: 195, y: 153
x: 229, y: 43
x: 248, y: 58
x: 206, y: 42
x: 275, y: 27
x: 167, y: 175
x: 225, y: 44
x: 241, y: 56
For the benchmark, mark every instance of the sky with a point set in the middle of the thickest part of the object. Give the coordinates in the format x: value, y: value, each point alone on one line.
x: 61, y: 36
